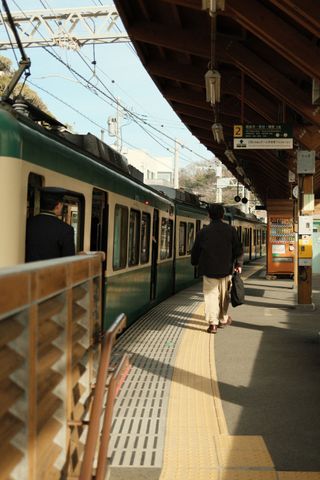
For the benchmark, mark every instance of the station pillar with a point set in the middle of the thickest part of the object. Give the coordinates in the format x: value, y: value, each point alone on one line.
x: 305, y: 171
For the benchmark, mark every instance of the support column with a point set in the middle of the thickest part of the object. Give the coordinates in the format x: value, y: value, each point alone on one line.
x: 305, y: 241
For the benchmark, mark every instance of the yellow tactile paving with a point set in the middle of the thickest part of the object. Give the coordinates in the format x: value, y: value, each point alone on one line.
x: 197, y: 443
x: 299, y: 476
x: 247, y: 475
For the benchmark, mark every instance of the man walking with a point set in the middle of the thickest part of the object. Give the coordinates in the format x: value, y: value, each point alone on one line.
x: 218, y: 252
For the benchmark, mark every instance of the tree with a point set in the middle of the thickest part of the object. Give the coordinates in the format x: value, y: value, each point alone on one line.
x: 200, y: 178
x: 6, y: 72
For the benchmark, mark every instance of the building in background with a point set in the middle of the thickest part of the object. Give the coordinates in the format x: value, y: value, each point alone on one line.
x: 156, y: 170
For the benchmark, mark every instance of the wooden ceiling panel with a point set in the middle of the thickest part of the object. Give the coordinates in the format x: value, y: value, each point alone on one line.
x: 267, y: 52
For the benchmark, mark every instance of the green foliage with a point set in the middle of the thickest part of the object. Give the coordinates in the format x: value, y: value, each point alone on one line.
x: 6, y: 72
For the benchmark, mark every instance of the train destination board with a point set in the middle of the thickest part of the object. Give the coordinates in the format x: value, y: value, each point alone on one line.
x: 278, y: 136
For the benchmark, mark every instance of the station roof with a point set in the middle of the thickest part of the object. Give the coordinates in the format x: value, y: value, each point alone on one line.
x: 267, y: 53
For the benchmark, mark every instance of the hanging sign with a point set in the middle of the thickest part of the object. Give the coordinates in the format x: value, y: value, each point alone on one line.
x: 278, y: 136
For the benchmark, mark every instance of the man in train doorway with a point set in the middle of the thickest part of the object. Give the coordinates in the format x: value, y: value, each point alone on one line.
x: 218, y: 252
x: 48, y: 236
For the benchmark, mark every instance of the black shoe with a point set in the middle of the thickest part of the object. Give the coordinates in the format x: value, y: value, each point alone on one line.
x: 212, y: 328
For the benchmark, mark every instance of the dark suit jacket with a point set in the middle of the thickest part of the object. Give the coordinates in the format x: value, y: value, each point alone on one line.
x: 217, y: 249
x: 48, y: 237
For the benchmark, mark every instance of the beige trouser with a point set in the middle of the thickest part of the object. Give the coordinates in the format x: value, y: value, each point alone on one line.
x: 216, y: 299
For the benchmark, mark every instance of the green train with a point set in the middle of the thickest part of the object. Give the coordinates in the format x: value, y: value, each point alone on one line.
x: 146, y: 235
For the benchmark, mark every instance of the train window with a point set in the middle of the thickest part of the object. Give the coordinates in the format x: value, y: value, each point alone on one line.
x: 190, y: 237
x: 98, y: 235
x: 239, y: 230
x: 166, y: 238
x: 120, y: 237
x: 246, y: 237
x: 182, y: 238
x: 35, y: 183
x: 73, y: 214
x: 169, y: 238
x: 134, y: 238
x: 145, y: 237
x: 163, y: 239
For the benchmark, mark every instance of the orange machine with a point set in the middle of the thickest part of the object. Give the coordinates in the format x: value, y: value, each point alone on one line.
x: 281, y: 238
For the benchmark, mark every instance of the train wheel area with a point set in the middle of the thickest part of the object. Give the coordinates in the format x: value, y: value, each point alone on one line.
x: 239, y: 405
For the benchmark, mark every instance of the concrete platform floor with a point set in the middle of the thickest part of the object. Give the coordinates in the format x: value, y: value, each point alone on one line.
x: 239, y: 405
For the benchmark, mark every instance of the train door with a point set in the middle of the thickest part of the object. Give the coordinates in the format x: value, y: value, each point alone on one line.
x: 196, y: 269
x: 154, y: 254
x: 99, y: 221
x: 250, y: 243
x: 99, y: 234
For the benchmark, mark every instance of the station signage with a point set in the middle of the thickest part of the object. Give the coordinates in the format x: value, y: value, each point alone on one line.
x: 277, y: 136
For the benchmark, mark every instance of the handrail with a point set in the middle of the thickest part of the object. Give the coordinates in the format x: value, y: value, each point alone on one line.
x: 99, y: 393
x: 115, y: 380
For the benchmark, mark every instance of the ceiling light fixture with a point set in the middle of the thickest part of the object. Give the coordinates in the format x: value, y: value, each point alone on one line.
x: 213, y: 6
x: 213, y: 82
x: 230, y: 156
x: 240, y: 171
x: 217, y: 131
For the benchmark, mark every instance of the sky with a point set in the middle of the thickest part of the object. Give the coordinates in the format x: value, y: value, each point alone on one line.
x: 118, y: 74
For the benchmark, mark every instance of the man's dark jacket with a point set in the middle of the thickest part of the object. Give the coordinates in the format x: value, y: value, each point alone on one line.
x: 216, y: 250
x: 48, y: 237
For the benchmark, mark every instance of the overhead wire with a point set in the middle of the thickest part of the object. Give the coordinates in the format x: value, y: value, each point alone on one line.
x: 138, y: 119
x: 90, y: 119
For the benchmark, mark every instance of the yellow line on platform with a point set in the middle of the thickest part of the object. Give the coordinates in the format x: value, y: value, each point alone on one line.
x: 197, y: 443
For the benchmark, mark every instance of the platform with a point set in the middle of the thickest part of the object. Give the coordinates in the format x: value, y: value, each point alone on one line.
x: 239, y: 405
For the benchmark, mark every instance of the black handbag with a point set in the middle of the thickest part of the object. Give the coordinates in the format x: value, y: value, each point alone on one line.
x: 237, y: 290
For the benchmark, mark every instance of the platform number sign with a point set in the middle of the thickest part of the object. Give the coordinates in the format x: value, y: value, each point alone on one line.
x: 266, y: 136
x: 238, y: 131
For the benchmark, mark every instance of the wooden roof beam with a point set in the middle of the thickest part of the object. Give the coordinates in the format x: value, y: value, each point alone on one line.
x: 195, y: 76
x: 305, y: 13
x: 260, y: 71
x: 274, y: 82
x: 187, y: 41
x: 193, y: 4
x: 197, y: 113
x: 278, y: 34
x: 193, y: 104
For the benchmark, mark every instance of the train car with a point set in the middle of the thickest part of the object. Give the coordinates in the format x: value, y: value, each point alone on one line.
x: 252, y: 232
x: 190, y: 216
x: 146, y: 235
x: 109, y: 210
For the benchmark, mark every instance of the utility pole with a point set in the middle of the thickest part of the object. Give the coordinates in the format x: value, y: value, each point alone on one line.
x: 114, y: 126
x: 176, y: 164
x: 218, y: 168
x: 118, y: 127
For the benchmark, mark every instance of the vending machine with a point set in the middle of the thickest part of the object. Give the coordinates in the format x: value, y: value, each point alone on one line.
x: 281, y: 241
x: 281, y: 245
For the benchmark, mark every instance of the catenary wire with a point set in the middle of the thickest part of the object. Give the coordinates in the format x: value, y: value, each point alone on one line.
x: 133, y: 115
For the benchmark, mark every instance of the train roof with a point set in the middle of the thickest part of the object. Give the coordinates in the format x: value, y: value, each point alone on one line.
x: 235, y: 212
x: 21, y: 137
